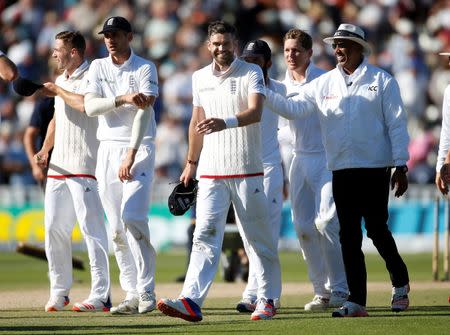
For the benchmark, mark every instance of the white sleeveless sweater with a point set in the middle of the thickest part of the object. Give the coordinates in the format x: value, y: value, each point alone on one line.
x: 234, y: 152
x: 75, y: 150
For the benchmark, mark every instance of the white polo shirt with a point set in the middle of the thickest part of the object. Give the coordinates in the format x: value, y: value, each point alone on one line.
x: 107, y: 80
x: 233, y: 152
x: 75, y: 149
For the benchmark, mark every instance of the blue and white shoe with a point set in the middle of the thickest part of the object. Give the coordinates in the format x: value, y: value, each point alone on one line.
x: 183, y: 308
x: 265, y: 310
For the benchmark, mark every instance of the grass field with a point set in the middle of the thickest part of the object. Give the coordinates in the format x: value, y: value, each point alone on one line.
x: 24, y: 288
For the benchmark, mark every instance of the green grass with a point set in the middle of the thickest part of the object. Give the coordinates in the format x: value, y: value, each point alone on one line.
x: 429, y: 313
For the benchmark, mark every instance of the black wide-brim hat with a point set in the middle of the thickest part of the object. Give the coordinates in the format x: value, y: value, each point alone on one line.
x: 25, y: 87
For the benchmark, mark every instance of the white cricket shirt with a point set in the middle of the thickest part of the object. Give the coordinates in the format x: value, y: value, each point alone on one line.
x: 233, y: 152
x: 306, y: 131
x: 75, y: 150
x: 107, y: 80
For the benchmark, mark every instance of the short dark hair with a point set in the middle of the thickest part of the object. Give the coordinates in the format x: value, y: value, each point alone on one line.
x: 221, y: 27
x: 302, y: 37
x: 73, y: 39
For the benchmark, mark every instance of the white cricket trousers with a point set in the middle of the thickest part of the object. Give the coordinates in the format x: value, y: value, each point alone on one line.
x: 66, y: 201
x: 316, y: 223
x: 273, y: 188
x: 126, y: 206
x: 250, y: 204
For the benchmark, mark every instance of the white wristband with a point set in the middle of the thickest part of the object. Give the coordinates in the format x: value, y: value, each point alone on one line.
x: 231, y: 122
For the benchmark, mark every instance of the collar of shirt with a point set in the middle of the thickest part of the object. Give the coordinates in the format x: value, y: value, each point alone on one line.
x: 126, y: 64
x: 358, y: 73
x: 230, y: 68
x: 78, y: 71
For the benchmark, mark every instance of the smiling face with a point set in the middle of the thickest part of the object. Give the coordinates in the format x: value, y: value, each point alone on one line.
x: 62, y: 55
x: 295, y: 56
x: 222, y: 48
x: 348, y: 54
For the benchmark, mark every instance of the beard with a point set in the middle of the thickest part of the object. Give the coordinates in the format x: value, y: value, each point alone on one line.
x: 224, y: 59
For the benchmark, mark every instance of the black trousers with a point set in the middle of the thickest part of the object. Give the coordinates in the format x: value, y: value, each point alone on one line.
x: 358, y: 194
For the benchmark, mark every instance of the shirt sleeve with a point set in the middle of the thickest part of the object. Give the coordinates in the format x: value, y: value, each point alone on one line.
x: 149, y: 80
x: 395, y: 116
x: 93, y: 82
x: 256, y: 81
x: 444, y: 140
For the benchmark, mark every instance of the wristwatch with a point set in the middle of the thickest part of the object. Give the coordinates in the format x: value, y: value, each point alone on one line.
x: 402, y: 168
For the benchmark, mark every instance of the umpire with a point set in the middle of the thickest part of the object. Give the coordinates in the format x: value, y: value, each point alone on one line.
x: 364, y: 131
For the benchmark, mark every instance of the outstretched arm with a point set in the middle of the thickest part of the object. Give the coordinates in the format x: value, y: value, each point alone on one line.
x: 293, y: 108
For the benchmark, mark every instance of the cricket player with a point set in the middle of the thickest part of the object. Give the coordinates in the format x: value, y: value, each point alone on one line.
x: 121, y: 92
x: 258, y: 52
x: 225, y: 144
x: 71, y: 191
x: 313, y: 209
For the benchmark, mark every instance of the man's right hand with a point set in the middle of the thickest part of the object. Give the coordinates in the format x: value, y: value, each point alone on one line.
x: 440, y: 184
x: 41, y: 159
x: 188, y: 173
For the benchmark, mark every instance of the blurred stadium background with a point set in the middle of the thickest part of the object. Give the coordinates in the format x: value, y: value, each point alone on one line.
x: 406, y: 37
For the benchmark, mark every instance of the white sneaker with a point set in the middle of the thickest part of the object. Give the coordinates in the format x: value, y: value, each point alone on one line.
x: 147, y: 302
x: 56, y: 303
x: 318, y: 303
x: 129, y: 306
x: 337, y: 299
x: 93, y: 305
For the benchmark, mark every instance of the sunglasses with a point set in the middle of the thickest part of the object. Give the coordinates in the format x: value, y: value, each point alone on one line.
x: 340, y: 45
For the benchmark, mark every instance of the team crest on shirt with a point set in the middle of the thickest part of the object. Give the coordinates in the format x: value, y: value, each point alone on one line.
x: 233, y: 86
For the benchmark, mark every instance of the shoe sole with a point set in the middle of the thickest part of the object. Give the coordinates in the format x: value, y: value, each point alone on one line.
x: 146, y: 310
x: 123, y: 313
x: 257, y: 317
x: 86, y: 309
x: 170, y: 311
